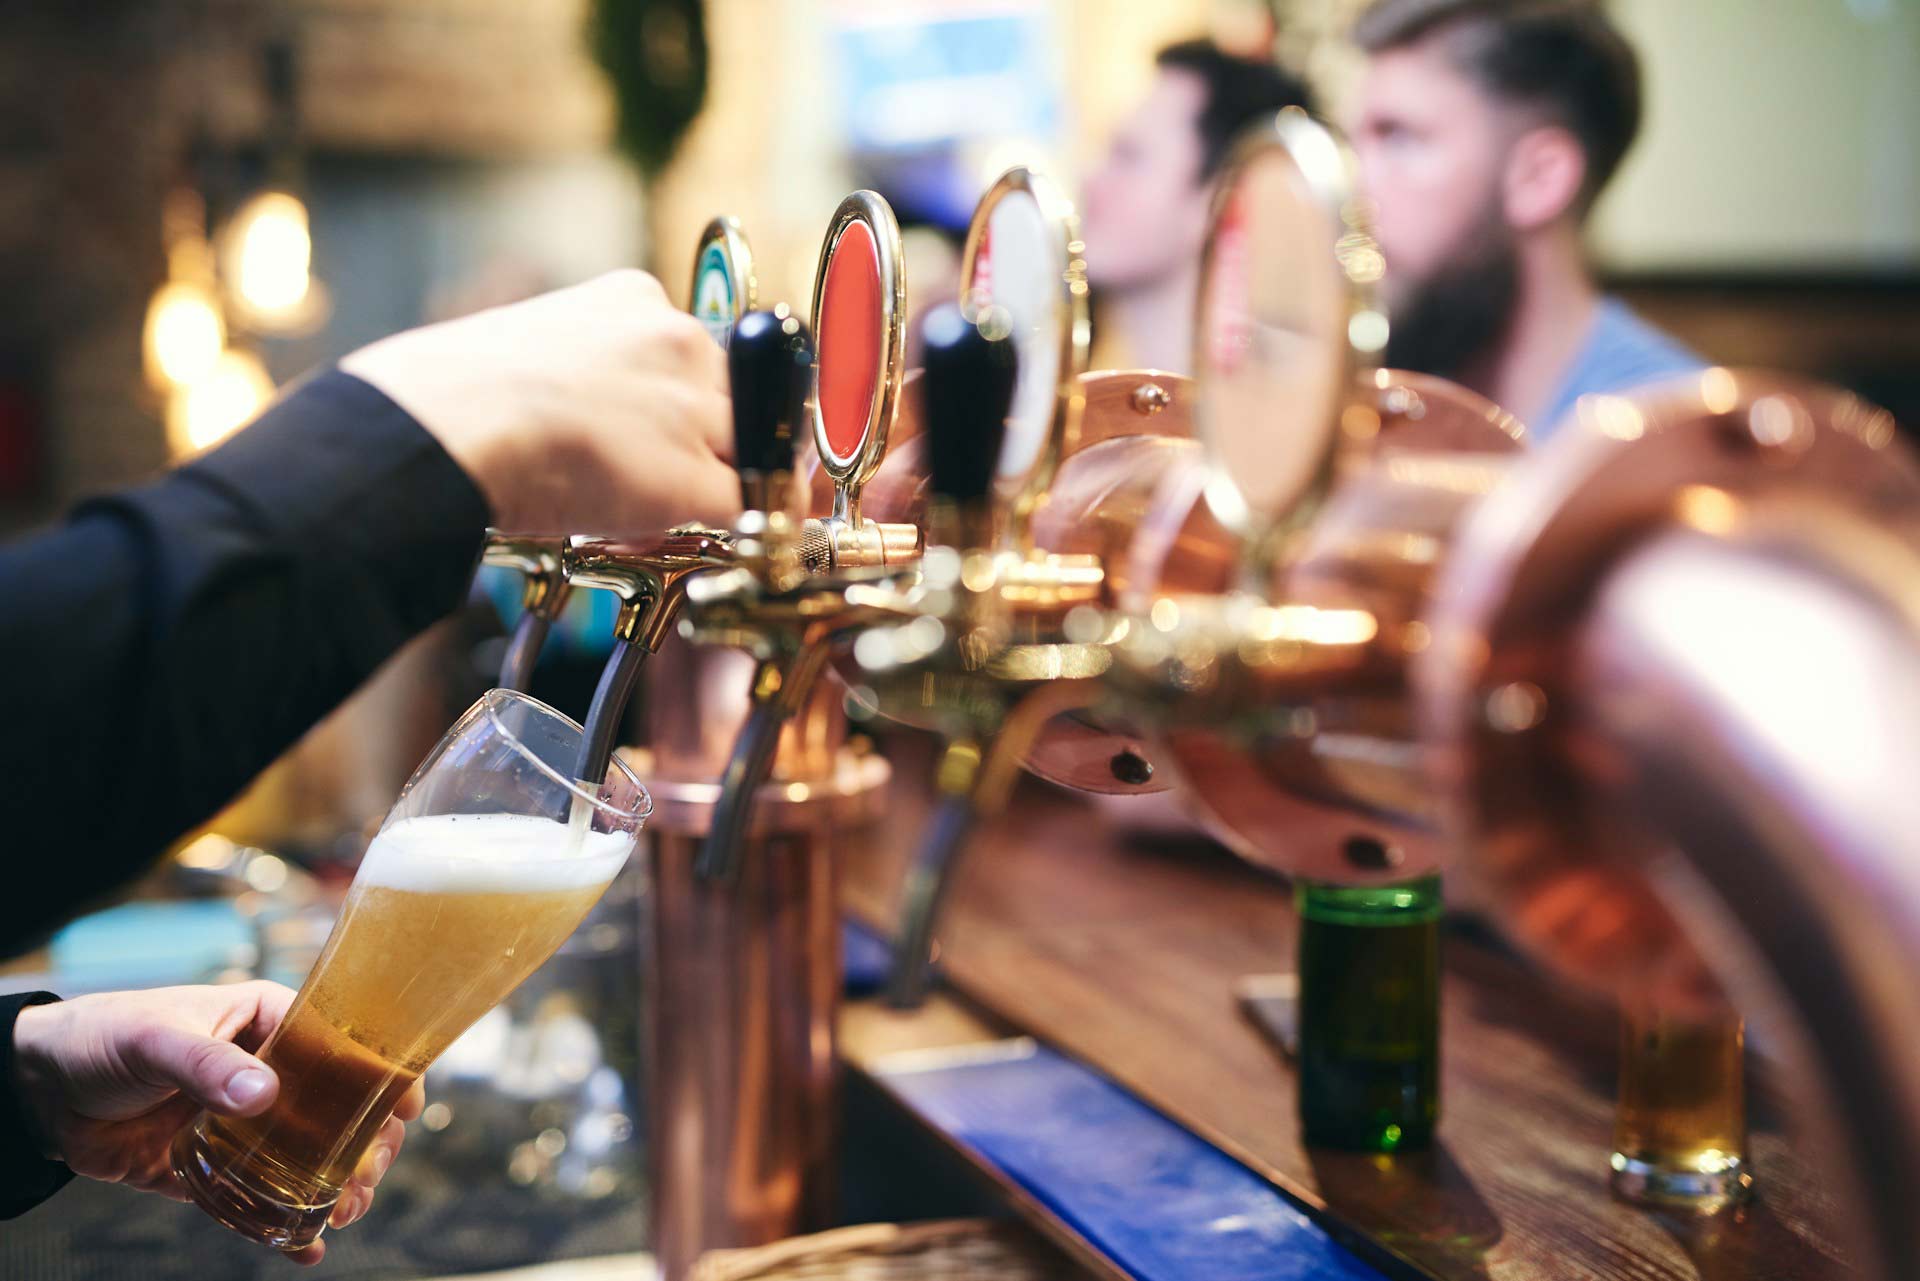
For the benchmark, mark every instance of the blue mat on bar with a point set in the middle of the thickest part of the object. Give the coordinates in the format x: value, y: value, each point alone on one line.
x: 1156, y: 1199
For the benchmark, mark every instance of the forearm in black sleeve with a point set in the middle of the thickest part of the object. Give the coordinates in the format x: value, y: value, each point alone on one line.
x: 26, y: 1177
x: 166, y: 644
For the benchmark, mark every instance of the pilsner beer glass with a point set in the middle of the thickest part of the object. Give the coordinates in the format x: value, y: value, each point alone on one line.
x: 1680, y: 1134
x: 487, y: 862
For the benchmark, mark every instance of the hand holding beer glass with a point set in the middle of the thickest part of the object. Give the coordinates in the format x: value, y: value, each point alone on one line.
x: 492, y: 855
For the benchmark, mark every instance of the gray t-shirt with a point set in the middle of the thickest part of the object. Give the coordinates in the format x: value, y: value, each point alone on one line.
x: 1622, y: 352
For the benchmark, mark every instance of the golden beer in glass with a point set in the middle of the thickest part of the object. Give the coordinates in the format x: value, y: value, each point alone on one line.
x: 1680, y: 1132
x: 490, y: 858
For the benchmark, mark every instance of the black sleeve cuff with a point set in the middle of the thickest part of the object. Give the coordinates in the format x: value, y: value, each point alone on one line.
x: 26, y: 1177
x: 339, y: 469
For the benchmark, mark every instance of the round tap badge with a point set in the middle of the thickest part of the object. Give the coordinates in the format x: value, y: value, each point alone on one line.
x: 859, y: 309
x: 1281, y: 292
x: 1229, y: 323
x: 1018, y: 268
x: 1022, y: 261
x: 723, y: 286
x: 850, y: 339
x: 713, y: 294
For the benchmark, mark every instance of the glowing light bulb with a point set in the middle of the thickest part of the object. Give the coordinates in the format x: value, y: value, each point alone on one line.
x: 270, y: 259
x: 184, y: 335
x: 203, y: 413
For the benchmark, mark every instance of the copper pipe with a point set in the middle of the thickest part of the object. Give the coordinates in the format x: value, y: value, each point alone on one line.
x: 742, y: 983
x: 743, y: 975
x: 1673, y: 695
x: 1286, y: 712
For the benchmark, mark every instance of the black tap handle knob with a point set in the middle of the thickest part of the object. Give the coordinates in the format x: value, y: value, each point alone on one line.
x: 967, y: 386
x: 770, y: 371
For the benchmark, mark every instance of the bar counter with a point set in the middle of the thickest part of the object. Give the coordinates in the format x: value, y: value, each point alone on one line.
x: 1123, y: 954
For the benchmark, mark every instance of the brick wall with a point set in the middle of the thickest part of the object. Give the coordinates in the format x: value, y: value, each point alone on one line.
x: 99, y: 101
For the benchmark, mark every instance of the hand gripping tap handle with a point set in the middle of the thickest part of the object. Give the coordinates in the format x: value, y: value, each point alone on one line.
x: 769, y: 365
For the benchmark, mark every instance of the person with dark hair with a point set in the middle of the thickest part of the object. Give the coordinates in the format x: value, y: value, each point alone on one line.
x: 1486, y: 130
x: 1145, y: 208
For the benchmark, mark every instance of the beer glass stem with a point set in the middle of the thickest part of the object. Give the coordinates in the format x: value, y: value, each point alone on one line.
x: 1680, y: 1132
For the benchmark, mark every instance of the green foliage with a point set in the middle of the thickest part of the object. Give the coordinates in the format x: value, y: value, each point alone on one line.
x: 655, y: 53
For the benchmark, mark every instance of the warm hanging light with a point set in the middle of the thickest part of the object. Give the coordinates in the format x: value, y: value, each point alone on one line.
x: 269, y: 262
x: 202, y: 413
x: 184, y: 334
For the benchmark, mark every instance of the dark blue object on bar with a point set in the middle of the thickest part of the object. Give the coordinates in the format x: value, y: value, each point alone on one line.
x: 865, y: 959
x: 1159, y: 1201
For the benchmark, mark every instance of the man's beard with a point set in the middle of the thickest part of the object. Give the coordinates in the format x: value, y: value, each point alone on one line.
x: 1445, y: 323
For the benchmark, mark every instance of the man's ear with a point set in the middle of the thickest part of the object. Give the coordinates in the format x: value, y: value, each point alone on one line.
x: 1545, y: 171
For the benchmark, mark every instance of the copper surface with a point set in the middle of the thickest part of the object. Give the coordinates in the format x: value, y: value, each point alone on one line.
x: 742, y: 990
x: 1301, y: 751
x: 1115, y: 407
x: 1309, y: 761
x: 743, y: 975
x: 1136, y: 428
x: 1495, y: 684
x: 1674, y: 688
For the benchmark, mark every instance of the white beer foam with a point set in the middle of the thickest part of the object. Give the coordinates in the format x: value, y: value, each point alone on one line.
x: 490, y: 854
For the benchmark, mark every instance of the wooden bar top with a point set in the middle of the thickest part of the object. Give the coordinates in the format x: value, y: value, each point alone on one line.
x: 1124, y: 954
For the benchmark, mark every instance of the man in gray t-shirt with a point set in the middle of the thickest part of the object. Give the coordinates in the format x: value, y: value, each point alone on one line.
x: 1485, y: 130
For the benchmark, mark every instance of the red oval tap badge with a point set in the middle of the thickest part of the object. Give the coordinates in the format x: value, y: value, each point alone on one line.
x: 980, y: 289
x: 1229, y: 320
x: 850, y: 324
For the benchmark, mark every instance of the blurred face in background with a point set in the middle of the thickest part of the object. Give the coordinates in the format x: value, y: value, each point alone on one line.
x: 1144, y: 211
x: 1432, y: 148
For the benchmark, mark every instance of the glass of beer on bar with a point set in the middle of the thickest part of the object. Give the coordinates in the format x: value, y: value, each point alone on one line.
x: 1680, y: 1134
x: 489, y: 859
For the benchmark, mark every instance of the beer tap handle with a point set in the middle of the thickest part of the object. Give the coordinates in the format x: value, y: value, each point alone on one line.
x: 967, y: 388
x: 770, y: 370
x: 770, y: 366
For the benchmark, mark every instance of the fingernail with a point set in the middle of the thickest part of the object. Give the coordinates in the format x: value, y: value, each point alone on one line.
x: 246, y: 1085
x: 382, y: 1158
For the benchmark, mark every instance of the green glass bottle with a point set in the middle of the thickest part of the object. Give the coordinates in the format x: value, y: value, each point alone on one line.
x: 1369, y: 1014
